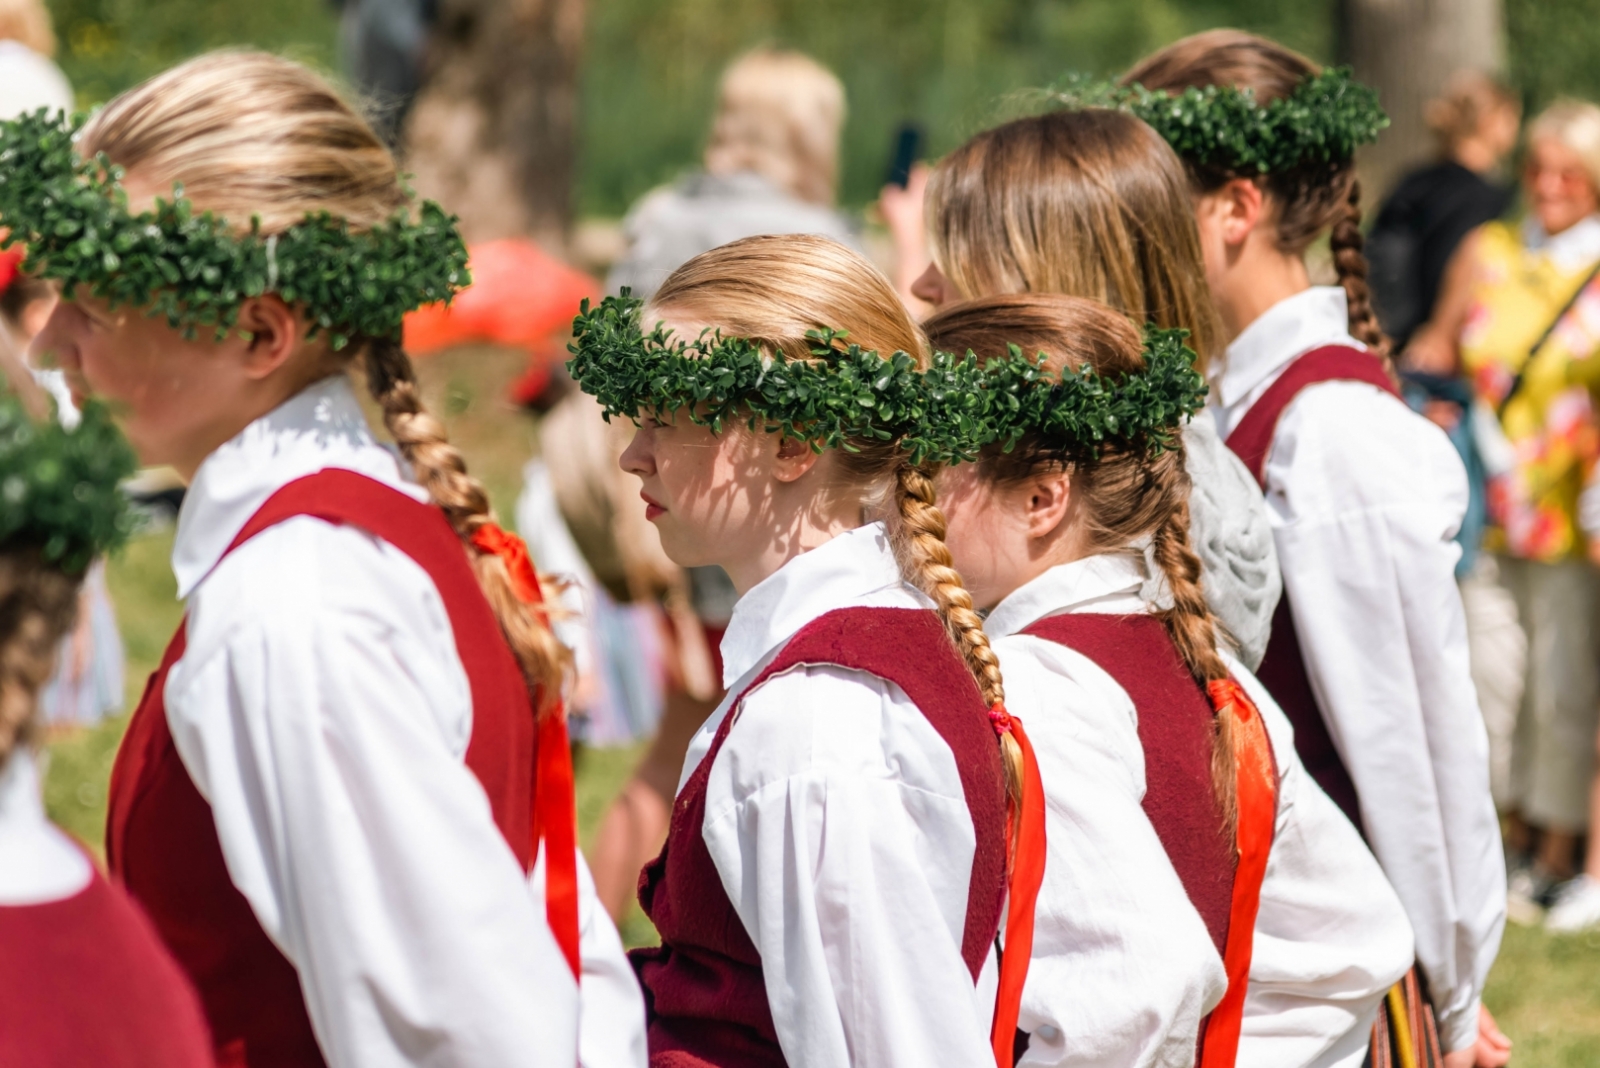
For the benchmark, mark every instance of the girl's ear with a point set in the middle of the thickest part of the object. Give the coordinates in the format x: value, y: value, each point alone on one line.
x: 272, y: 333
x: 794, y: 458
x: 1241, y: 204
x: 1048, y: 497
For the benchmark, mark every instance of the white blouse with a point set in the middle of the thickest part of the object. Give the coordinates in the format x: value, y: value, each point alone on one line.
x: 323, y: 712
x: 1123, y: 967
x: 1364, y: 497
x: 836, y: 819
x: 39, y: 864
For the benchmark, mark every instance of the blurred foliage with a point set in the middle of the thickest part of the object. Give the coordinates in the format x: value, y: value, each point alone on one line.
x: 1554, y: 44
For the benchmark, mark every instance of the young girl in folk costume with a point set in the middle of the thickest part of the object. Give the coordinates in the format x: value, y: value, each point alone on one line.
x: 836, y: 866
x: 1155, y: 760
x: 1092, y: 203
x: 1368, y: 654
x: 85, y: 980
x: 345, y: 800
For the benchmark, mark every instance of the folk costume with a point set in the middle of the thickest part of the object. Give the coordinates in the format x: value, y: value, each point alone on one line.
x: 1368, y: 657
x: 836, y: 869
x: 335, y: 801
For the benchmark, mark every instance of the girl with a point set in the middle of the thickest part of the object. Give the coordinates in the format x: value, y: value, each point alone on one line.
x: 327, y: 801
x: 86, y: 980
x: 833, y: 876
x: 1079, y: 549
x: 1368, y: 655
x: 1092, y: 203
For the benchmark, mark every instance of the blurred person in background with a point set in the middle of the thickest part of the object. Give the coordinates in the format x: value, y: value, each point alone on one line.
x: 1519, y: 316
x: 771, y: 167
x: 29, y: 80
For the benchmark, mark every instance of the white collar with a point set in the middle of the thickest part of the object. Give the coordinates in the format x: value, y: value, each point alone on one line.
x: 38, y: 863
x: 321, y: 426
x: 1575, y: 247
x: 1316, y: 316
x: 1105, y: 582
x: 856, y: 569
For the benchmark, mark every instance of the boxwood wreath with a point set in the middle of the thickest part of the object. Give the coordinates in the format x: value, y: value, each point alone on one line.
x: 1327, y: 117
x: 191, y: 266
x: 945, y: 414
x: 60, y: 488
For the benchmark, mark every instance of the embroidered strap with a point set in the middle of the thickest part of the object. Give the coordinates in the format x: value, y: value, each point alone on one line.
x: 1026, y: 877
x: 1258, y: 808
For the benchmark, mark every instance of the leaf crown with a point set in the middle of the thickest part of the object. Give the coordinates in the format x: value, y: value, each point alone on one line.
x: 60, y: 488
x: 944, y: 414
x: 72, y: 214
x: 1327, y: 117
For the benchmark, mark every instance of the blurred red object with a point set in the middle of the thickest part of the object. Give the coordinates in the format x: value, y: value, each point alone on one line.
x: 520, y: 296
x: 10, y: 267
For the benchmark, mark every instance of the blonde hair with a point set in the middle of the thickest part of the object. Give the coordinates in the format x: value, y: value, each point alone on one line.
x: 250, y: 134
x: 38, y: 607
x: 28, y: 23
x: 779, y: 114
x: 1125, y: 495
x: 1576, y: 125
x: 774, y: 289
x: 1469, y: 97
x: 1089, y: 203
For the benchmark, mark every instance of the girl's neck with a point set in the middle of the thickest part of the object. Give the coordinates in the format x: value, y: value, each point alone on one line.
x: 1260, y: 277
x: 812, y: 527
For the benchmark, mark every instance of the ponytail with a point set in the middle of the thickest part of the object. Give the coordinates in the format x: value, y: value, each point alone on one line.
x: 1350, y: 262
x: 925, y: 562
x: 442, y: 471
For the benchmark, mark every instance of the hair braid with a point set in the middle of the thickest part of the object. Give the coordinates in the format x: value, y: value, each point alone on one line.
x: 926, y: 563
x: 442, y: 470
x: 38, y: 607
x: 1350, y: 261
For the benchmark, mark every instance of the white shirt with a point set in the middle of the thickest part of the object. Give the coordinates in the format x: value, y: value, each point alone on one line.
x: 836, y: 819
x: 38, y: 863
x: 29, y: 81
x: 1122, y: 962
x: 323, y: 712
x: 1364, y: 498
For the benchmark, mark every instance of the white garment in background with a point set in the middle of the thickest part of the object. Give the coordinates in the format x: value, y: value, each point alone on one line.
x: 29, y: 81
x: 323, y: 712
x: 1330, y: 936
x: 1365, y: 497
x: 837, y: 821
x: 38, y: 863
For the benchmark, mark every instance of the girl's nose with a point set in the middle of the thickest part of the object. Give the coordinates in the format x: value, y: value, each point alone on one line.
x: 637, y: 458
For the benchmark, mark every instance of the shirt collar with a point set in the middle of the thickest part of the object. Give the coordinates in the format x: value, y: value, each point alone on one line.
x: 856, y: 569
x: 1105, y: 582
x: 321, y: 426
x: 1575, y: 247
x: 1316, y: 316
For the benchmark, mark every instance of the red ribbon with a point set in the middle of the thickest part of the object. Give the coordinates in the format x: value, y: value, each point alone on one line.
x: 1027, y: 876
x: 1257, y: 791
x: 1000, y: 719
x: 555, y: 814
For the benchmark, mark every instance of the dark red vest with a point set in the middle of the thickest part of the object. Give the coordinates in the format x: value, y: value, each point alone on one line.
x: 704, y: 989
x: 1176, y: 727
x: 161, y: 840
x: 1283, y: 668
x: 85, y: 981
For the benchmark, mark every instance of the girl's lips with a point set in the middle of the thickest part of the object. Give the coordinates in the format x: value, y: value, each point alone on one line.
x: 651, y: 508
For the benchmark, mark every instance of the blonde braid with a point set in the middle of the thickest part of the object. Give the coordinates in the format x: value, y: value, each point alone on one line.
x: 925, y: 562
x: 442, y: 470
x: 38, y: 607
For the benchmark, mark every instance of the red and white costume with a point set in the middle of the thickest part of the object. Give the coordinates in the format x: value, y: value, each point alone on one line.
x: 1364, y: 497
x: 324, y: 800
x: 83, y: 977
x: 837, y: 901
x: 1133, y: 915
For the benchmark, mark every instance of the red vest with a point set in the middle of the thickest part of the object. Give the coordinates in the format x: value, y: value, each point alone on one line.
x: 704, y: 989
x: 1283, y: 668
x: 85, y: 981
x: 161, y: 840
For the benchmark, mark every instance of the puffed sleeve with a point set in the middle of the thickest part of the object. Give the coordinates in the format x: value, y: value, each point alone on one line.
x: 836, y: 819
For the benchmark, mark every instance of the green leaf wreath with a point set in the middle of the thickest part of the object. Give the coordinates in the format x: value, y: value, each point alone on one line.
x: 1326, y: 118
x: 59, y: 488
x: 72, y: 215
x: 945, y: 414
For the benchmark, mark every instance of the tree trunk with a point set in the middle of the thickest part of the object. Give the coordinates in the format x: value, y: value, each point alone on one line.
x: 1407, y: 50
x: 492, y: 133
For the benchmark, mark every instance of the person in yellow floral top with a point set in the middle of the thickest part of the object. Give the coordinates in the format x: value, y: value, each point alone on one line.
x: 1520, y: 318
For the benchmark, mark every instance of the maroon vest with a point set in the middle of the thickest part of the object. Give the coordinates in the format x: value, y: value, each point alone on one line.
x: 704, y: 989
x: 161, y: 840
x: 85, y: 981
x: 1283, y: 668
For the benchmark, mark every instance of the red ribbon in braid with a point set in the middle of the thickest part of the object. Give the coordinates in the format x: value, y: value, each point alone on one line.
x: 1026, y: 877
